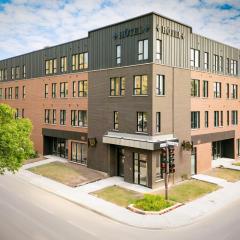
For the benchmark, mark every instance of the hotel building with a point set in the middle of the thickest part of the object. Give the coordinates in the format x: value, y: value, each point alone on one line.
x: 111, y: 100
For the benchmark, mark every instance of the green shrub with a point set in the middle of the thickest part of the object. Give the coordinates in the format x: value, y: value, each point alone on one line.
x: 152, y: 203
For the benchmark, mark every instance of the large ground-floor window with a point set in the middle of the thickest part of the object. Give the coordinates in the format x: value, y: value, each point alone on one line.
x: 238, y: 147
x: 140, y: 169
x: 79, y: 152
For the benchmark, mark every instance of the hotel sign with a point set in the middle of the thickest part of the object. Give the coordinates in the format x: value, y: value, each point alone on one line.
x: 129, y: 32
x: 170, y: 32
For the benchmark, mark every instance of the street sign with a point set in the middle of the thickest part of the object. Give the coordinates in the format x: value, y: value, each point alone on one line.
x: 169, y: 143
x: 163, y: 145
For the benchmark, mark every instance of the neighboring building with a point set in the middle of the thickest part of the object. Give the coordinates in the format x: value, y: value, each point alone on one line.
x: 110, y: 100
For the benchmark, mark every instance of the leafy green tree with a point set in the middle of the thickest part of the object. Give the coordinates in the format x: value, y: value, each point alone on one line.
x: 15, y: 142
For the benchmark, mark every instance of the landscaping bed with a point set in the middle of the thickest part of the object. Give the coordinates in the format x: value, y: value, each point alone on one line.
x: 236, y: 164
x: 69, y: 174
x: 228, y: 174
x: 118, y: 195
x: 189, y: 190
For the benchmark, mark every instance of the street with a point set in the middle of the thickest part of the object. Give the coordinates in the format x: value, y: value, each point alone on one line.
x: 29, y: 213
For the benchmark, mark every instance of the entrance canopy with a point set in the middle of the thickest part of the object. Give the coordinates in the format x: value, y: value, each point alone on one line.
x: 137, y: 141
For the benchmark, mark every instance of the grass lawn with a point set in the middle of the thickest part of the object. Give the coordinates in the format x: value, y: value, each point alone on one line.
x: 227, y: 174
x: 118, y: 195
x: 60, y: 172
x: 189, y: 190
x: 236, y: 164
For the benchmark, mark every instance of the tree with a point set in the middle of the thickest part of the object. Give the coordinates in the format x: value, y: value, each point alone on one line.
x: 15, y: 142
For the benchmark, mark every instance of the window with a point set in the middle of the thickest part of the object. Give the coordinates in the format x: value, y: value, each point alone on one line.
x: 234, y: 117
x: 141, y: 121
x: 79, y: 118
x: 16, y: 92
x: 1, y: 93
x: 75, y: 62
x: 115, y: 120
x: 160, y: 85
x: 140, y: 85
x: 82, y: 118
x: 159, y: 162
x: 234, y: 91
x: 47, y: 116
x: 221, y: 118
x: 158, y: 122
x: 24, y: 71
x: 23, y: 113
x: 228, y: 65
x: 238, y: 147
x: 227, y: 92
x: 195, y: 120
x: 143, y: 50
x: 46, y: 90
x: 118, y: 54
x: 216, y: 118
x: 228, y: 118
x: 217, y: 89
x: 17, y: 113
x: 54, y: 90
x: 117, y: 86
x: 83, y: 60
x: 195, y: 88
x: 215, y: 63
x: 159, y: 50
x: 79, y: 152
x: 6, y: 94
x: 51, y: 66
x: 63, y: 64
x: 62, y: 117
x: 13, y: 73
x: 195, y: 58
x: 206, y: 61
x: 233, y: 67
x: 206, y: 119
x: 221, y: 64
x: 74, y: 89
x: 74, y: 121
x: 10, y: 93
x: 80, y: 61
x: 1, y: 74
x: 17, y: 73
x: 63, y: 89
x: 82, y: 88
x: 5, y: 74
x: 54, y: 117
x: 205, y: 88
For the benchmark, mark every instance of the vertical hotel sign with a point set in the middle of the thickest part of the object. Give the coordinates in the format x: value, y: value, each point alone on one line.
x: 170, y: 32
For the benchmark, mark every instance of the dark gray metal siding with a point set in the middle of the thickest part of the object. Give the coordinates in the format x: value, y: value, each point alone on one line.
x: 175, y: 51
x: 213, y: 47
x: 35, y: 61
x: 103, y: 45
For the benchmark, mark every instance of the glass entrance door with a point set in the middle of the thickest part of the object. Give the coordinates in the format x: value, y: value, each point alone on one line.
x: 217, y: 150
x: 60, y: 147
x: 140, y: 169
x: 121, y: 159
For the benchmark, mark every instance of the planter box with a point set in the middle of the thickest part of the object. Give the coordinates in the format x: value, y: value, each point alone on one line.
x: 137, y: 210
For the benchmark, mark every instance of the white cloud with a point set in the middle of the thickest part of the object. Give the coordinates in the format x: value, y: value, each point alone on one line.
x: 28, y: 25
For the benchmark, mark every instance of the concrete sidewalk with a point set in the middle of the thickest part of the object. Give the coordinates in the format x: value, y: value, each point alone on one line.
x: 181, y: 216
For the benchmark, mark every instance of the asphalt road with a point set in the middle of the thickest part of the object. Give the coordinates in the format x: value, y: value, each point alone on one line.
x: 29, y: 213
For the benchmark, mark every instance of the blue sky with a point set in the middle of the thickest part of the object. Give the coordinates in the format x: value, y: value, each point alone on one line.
x: 28, y: 25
